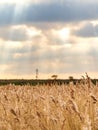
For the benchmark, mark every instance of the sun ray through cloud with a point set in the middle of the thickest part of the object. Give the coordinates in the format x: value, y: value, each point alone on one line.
x: 10, y: 45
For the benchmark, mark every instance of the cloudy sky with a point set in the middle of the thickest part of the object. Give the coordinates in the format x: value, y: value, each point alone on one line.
x: 56, y: 36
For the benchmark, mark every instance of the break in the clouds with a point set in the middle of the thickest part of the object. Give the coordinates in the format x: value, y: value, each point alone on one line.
x: 57, y: 37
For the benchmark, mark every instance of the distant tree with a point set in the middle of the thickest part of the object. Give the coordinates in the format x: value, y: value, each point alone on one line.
x: 71, y: 78
x: 54, y: 76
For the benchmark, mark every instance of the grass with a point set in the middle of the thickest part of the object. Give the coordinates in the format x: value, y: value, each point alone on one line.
x: 49, y: 107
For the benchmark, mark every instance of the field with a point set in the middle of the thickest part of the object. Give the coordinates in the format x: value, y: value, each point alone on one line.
x: 50, y: 106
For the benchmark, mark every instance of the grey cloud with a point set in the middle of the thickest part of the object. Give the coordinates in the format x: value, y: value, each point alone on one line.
x: 53, y: 12
x: 96, y: 30
x: 13, y: 34
x: 21, y: 56
x: 88, y: 30
x: 17, y: 34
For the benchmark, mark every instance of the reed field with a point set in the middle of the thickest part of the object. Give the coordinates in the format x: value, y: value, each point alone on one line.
x: 50, y: 106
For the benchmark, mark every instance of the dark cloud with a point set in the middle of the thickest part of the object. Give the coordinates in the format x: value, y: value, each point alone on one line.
x: 6, y: 14
x: 53, y: 12
x: 88, y: 30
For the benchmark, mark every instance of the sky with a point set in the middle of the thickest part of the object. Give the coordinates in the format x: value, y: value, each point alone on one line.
x: 54, y: 36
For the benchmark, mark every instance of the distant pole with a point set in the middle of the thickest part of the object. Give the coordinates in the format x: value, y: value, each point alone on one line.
x: 36, y: 74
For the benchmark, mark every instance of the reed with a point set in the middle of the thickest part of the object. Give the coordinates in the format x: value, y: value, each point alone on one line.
x: 49, y: 107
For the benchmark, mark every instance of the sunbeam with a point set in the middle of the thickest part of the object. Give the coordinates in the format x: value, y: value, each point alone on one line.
x: 9, y: 45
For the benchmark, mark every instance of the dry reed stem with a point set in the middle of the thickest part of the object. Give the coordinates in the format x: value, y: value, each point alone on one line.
x: 49, y: 107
